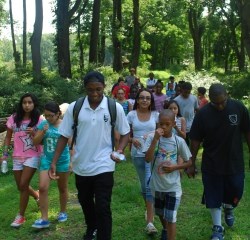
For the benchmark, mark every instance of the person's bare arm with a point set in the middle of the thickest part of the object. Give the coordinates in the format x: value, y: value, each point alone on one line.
x: 149, y: 156
x: 194, y: 148
x: 38, y: 138
x: 61, y: 144
x: 247, y: 136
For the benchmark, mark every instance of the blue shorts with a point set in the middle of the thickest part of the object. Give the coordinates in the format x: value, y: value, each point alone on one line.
x: 166, y: 205
x: 61, y: 166
x: 219, y: 189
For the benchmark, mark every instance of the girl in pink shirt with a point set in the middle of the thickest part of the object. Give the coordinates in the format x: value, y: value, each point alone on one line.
x: 23, y: 125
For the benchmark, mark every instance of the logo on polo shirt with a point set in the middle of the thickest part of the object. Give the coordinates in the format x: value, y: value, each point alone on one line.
x: 105, y: 117
x: 233, y: 119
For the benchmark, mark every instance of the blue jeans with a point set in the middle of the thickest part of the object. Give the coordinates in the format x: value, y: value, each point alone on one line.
x: 143, y: 170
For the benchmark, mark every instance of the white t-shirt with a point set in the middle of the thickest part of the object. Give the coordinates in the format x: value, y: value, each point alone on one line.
x: 141, y: 129
x: 166, y: 150
x: 187, y: 108
x: 151, y: 82
x: 93, y: 143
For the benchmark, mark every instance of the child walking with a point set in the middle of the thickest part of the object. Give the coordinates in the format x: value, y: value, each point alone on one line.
x: 48, y: 135
x: 162, y: 149
x: 180, y: 122
x: 159, y: 97
x: 23, y: 124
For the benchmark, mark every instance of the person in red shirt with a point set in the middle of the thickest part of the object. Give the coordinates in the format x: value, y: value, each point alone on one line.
x: 202, y: 100
x: 121, y: 84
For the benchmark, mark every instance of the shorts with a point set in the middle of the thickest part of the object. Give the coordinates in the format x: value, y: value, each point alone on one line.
x: 19, y: 163
x: 166, y: 205
x: 61, y: 166
x: 219, y: 189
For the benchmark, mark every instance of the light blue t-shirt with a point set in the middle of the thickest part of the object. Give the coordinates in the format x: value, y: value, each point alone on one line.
x: 49, y: 144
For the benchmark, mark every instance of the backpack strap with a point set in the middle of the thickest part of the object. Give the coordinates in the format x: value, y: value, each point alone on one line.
x: 113, y: 113
x: 76, y: 110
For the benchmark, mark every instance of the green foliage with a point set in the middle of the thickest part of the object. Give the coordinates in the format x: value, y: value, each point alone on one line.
x: 52, y: 87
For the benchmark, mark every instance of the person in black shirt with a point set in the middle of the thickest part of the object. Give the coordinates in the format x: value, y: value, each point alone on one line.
x: 219, y: 125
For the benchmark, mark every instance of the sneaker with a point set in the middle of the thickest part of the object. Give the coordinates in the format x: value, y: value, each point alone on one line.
x: 229, y: 216
x: 62, y: 217
x: 40, y: 223
x: 19, y: 220
x: 150, y: 229
x: 90, y: 234
x: 218, y: 233
x: 164, y: 234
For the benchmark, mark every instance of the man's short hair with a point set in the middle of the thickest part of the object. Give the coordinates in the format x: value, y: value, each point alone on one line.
x: 217, y: 89
x: 93, y: 76
x: 186, y: 86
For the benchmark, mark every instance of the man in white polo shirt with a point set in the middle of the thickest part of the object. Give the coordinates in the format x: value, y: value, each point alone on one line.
x: 92, y: 162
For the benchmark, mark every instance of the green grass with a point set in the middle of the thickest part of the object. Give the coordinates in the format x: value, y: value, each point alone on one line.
x: 194, y: 222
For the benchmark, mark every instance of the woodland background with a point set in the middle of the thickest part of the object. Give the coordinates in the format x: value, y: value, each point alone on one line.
x: 192, y: 39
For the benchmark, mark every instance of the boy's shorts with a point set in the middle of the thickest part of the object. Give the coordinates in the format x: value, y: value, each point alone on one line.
x: 220, y: 189
x: 166, y: 205
x: 19, y: 164
x: 61, y: 166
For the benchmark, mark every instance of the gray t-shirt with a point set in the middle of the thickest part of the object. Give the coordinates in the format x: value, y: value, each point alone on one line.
x: 167, y: 152
x: 129, y: 80
x: 187, y: 108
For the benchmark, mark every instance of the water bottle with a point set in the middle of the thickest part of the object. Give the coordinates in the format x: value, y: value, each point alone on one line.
x: 120, y: 156
x: 4, y: 166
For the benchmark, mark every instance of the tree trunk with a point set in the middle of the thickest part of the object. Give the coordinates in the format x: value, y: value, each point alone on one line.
x: 117, y: 45
x: 62, y: 39
x: 80, y: 44
x: 244, y: 10
x: 94, y: 36
x: 24, y: 34
x: 196, y: 33
x: 102, y: 46
x: 16, y: 54
x: 136, y: 36
x: 35, y: 41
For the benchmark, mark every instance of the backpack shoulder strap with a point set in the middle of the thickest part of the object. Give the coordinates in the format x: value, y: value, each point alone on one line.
x: 76, y: 110
x: 113, y: 113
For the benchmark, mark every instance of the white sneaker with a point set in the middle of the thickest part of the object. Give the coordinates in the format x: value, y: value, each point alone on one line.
x: 150, y: 229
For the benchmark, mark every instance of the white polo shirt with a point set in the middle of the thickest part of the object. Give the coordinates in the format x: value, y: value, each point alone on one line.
x: 93, y: 143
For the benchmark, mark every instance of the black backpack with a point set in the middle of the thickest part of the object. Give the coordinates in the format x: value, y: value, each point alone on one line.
x: 76, y: 110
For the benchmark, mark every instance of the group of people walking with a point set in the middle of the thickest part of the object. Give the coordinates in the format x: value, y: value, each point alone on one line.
x: 164, y: 133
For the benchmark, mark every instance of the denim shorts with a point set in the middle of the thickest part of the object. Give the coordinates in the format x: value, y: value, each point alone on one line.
x: 219, y: 189
x: 166, y: 205
x: 143, y: 170
x: 19, y: 163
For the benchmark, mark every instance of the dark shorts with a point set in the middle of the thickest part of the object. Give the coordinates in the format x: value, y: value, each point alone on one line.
x: 166, y: 205
x: 221, y: 189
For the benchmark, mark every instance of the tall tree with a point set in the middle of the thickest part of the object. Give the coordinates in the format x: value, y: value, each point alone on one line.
x: 16, y: 54
x: 35, y: 41
x: 94, y: 35
x: 197, y: 28
x: 24, y: 34
x: 136, y: 35
x: 244, y: 10
x: 64, y: 18
x: 116, y: 35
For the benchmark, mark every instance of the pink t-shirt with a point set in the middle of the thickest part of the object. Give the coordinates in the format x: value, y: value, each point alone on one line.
x: 23, y: 143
